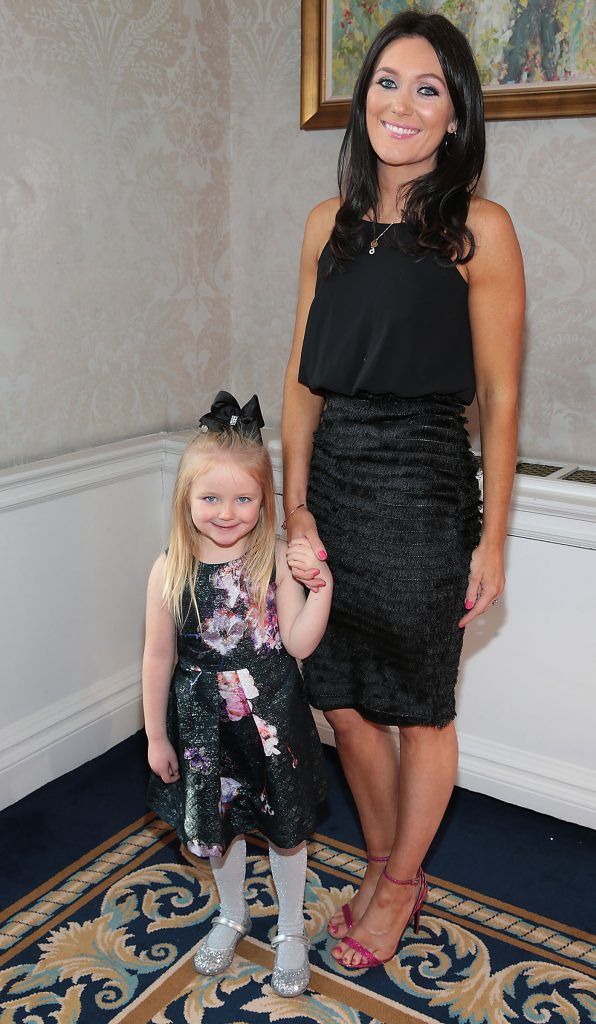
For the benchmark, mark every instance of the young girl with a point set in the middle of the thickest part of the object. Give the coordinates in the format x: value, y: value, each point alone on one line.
x: 232, y: 743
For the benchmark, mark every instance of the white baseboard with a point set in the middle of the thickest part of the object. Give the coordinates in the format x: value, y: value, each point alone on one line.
x: 539, y: 783
x: 68, y: 733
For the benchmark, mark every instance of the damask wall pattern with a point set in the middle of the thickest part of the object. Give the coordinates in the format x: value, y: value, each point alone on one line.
x: 541, y: 171
x: 114, y: 221
x: 153, y: 190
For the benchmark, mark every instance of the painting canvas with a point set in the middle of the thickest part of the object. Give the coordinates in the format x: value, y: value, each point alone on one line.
x: 536, y: 58
x: 514, y: 41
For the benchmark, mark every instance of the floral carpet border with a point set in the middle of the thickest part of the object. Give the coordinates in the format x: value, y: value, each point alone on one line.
x: 116, y: 931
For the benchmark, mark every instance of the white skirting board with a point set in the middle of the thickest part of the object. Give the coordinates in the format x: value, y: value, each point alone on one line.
x: 79, y: 533
x: 52, y: 741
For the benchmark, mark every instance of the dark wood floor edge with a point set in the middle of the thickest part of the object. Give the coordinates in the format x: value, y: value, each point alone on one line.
x: 473, y: 894
x: 71, y: 908
x: 76, y: 865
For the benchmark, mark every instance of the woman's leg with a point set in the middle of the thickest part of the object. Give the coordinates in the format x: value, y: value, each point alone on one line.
x: 229, y: 873
x: 428, y: 763
x: 370, y: 762
x: 288, y: 868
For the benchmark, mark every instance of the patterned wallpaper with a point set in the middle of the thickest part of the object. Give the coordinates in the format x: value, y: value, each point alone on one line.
x: 542, y: 171
x: 114, y: 223
x: 153, y: 191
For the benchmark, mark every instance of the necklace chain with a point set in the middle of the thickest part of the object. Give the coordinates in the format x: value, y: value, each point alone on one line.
x: 375, y: 241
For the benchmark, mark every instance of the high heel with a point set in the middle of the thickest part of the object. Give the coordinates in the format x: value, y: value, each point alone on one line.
x: 346, y: 909
x: 368, y: 958
x: 420, y: 879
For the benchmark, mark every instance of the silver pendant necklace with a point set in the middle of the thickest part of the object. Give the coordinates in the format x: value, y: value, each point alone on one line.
x: 375, y: 241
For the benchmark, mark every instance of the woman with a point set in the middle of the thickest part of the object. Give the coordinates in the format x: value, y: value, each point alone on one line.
x: 411, y: 300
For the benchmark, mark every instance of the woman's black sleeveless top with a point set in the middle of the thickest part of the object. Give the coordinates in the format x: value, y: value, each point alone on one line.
x: 389, y: 324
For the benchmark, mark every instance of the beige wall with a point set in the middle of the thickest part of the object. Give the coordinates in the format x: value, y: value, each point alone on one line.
x: 153, y: 190
x: 114, y: 221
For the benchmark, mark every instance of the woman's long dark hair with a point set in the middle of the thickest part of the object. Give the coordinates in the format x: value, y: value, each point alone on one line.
x: 436, y: 204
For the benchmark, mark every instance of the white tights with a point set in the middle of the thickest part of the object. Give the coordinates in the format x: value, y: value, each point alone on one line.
x: 288, y: 868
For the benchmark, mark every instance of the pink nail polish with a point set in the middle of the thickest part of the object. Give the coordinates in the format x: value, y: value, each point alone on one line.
x: 322, y: 553
x: 469, y: 604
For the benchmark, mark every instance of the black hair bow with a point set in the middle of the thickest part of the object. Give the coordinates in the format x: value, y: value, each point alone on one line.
x: 226, y: 414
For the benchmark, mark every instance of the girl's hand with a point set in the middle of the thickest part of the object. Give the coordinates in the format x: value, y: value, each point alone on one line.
x: 302, y: 526
x: 301, y: 560
x: 163, y: 761
x: 486, y: 582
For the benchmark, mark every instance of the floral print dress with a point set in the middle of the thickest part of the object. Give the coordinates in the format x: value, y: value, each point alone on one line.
x: 248, y: 750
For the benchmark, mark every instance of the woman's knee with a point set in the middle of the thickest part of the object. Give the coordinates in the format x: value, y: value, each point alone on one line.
x: 349, y: 724
x: 345, y: 722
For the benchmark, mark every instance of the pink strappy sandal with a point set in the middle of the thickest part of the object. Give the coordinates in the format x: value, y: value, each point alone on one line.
x: 347, y: 910
x: 368, y: 958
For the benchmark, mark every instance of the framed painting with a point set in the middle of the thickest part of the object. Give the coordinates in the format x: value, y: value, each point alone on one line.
x: 536, y: 58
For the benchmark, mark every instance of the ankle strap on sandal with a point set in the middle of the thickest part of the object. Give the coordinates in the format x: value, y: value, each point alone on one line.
x: 229, y: 924
x: 297, y: 936
x: 377, y: 860
x: 404, y: 881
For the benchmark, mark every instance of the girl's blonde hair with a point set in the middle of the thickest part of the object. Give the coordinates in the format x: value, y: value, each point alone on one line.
x: 184, y: 553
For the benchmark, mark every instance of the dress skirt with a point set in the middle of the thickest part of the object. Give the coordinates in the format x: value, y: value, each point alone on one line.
x: 393, y: 487
x: 248, y: 750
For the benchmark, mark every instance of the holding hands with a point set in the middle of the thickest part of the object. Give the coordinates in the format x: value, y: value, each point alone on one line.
x: 305, y: 566
x: 308, y: 567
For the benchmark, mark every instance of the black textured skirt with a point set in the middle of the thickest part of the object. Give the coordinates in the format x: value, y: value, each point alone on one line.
x: 394, y: 491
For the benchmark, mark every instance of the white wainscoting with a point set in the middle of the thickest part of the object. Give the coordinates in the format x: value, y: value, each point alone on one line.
x: 79, y: 533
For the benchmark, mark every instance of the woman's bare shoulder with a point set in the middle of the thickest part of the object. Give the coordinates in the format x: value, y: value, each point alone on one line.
x: 487, y: 218
x: 494, y: 234
x: 320, y: 223
x: 326, y: 210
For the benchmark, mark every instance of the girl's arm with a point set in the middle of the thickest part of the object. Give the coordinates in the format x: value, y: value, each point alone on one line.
x: 158, y: 662
x: 302, y: 620
x: 301, y: 408
x: 496, y: 304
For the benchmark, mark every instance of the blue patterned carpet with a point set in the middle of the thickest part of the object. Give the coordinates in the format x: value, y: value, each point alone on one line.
x: 110, y: 937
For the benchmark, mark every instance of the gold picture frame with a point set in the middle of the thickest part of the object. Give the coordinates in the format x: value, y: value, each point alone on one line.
x: 501, y: 103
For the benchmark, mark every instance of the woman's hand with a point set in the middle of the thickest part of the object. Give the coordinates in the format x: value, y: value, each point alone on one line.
x: 163, y: 761
x: 486, y: 581
x: 302, y: 525
x: 302, y: 560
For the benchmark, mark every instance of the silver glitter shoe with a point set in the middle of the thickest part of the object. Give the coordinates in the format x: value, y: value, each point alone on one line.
x: 291, y: 983
x: 214, y: 961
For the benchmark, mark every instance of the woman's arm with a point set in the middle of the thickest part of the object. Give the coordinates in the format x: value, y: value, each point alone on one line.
x: 496, y: 304
x: 158, y: 662
x: 302, y: 620
x: 301, y: 408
